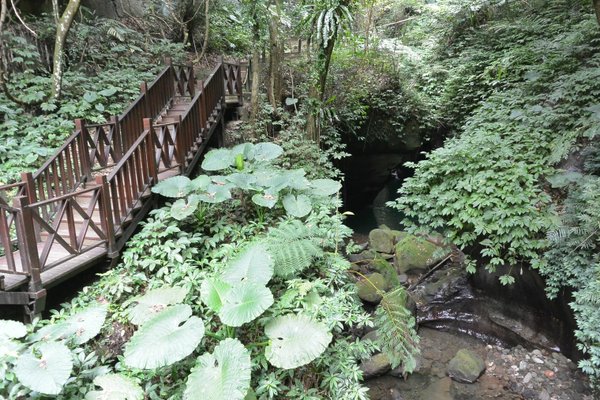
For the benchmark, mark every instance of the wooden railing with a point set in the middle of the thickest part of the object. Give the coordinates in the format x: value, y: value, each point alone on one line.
x: 47, y: 218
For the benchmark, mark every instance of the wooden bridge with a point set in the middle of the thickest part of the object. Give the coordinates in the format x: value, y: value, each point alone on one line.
x: 83, y: 204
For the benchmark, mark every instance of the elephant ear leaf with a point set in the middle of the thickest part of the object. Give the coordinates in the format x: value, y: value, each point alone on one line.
x: 217, y: 160
x: 168, y: 337
x: 324, y: 187
x: 244, y: 303
x: 176, y: 187
x: 47, y: 371
x: 182, y: 209
x: 212, y: 293
x: 12, y: 329
x: 265, y: 199
x: 222, y: 375
x: 254, y: 264
x: 297, y: 206
x: 267, y: 151
x: 155, y: 301
x: 115, y: 387
x: 78, y: 328
x: 296, y: 340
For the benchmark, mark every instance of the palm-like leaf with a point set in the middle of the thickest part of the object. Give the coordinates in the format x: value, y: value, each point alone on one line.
x: 244, y: 303
x: 296, y: 340
x: 223, y: 375
x: 167, y: 338
x: 115, y: 387
x: 47, y: 373
x: 155, y: 301
x: 253, y: 265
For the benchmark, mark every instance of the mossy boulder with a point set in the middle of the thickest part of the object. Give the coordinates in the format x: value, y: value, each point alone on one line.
x: 387, y: 270
x: 368, y: 289
x: 377, y: 365
x: 381, y: 240
x: 466, y: 366
x: 413, y: 252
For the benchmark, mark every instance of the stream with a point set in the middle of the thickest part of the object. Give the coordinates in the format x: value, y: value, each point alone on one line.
x: 526, y: 340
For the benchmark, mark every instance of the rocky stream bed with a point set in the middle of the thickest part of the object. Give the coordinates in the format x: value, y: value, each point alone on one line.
x: 472, y: 347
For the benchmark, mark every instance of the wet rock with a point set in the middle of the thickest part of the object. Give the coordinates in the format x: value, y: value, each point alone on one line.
x: 438, y: 390
x: 372, y: 336
x: 362, y: 257
x: 395, y: 394
x: 381, y: 240
x: 368, y: 289
x: 466, y: 366
x: 387, y: 270
x: 377, y: 365
x: 414, y: 253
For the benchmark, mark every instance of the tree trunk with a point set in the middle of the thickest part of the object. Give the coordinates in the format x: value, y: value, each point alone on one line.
x: 368, y: 30
x: 62, y: 29
x: 275, y: 55
x: 255, y: 73
x: 325, y: 59
x: 596, y: 4
x: 206, y: 30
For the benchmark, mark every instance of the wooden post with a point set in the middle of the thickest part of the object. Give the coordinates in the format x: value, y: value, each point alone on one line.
x: 203, y: 110
x: 180, y: 144
x: 299, y: 45
x: 117, y: 142
x: 84, y: 149
x: 27, y: 178
x: 151, y: 150
x: 191, y: 81
x: 238, y: 81
x: 106, y: 214
x: 30, y: 258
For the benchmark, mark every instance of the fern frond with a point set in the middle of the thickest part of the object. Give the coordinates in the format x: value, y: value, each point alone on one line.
x: 293, y: 247
x: 397, y: 336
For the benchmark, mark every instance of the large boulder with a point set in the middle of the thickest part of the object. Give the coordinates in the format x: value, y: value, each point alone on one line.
x: 377, y: 365
x: 413, y: 252
x: 369, y: 289
x: 466, y: 366
x: 386, y: 269
x: 381, y: 240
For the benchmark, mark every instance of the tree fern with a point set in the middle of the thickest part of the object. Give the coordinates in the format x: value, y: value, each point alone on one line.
x: 397, y: 336
x: 293, y: 247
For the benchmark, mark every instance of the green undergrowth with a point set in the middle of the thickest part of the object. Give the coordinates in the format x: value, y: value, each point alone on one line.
x: 106, y: 64
x: 517, y: 83
x: 235, y: 289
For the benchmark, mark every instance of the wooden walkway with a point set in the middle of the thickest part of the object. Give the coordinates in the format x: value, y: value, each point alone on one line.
x: 84, y: 203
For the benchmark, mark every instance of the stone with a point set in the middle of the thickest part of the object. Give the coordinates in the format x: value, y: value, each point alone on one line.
x: 387, y: 270
x: 362, y: 257
x: 403, y: 278
x: 395, y: 394
x: 368, y: 289
x: 371, y: 335
x: 381, y: 240
x: 537, y: 360
x: 414, y: 253
x: 377, y: 365
x: 544, y: 395
x: 523, y: 365
x: 466, y: 366
x: 527, y: 378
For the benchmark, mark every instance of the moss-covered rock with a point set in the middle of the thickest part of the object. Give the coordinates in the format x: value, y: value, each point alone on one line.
x: 466, y: 366
x: 413, y: 252
x: 387, y: 270
x: 368, y: 289
x: 381, y: 240
x: 377, y: 365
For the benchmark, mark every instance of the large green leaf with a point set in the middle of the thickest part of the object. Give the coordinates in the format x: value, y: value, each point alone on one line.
x: 215, y: 194
x: 245, y: 302
x: 212, y: 293
x: 12, y: 329
x: 45, y: 369
x: 9, y: 347
x: 254, y: 264
x: 183, y: 208
x: 200, y: 182
x: 165, y: 339
x: 265, y: 199
x: 153, y: 302
x: 176, y: 187
x: 297, y: 206
x: 246, y: 149
x: 243, y: 181
x: 296, y: 179
x: 115, y: 387
x: 216, y: 160
x: 79, y: 327
x: 296, y: 340
x: 325, y: 187
x: 267, y: 151
x: 223, y: 375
